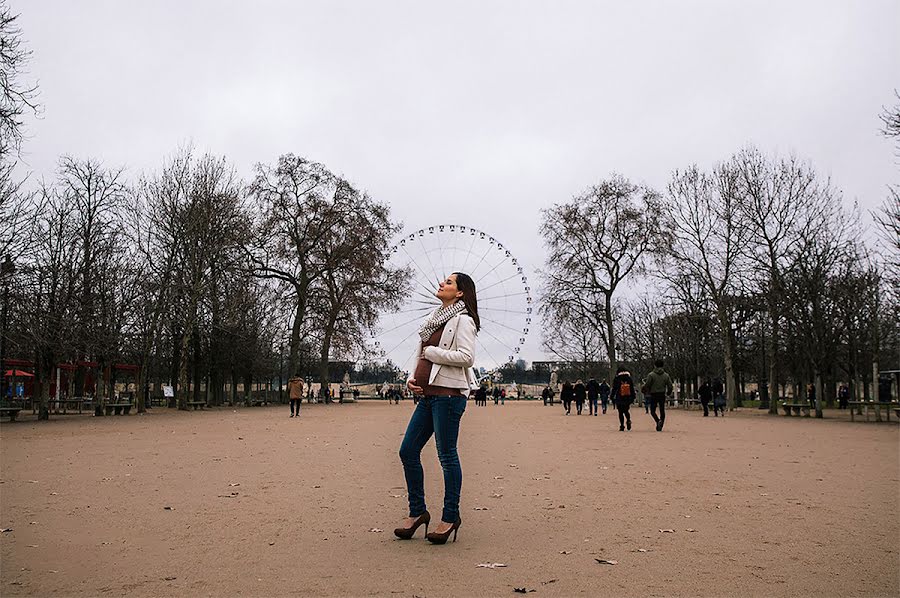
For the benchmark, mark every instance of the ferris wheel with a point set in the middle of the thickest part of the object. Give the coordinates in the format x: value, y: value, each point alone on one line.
x: 504, y: 296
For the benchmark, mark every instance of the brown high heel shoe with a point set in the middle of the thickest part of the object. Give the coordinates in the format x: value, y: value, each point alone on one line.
x: 438, y: 538
x: 405, y: 533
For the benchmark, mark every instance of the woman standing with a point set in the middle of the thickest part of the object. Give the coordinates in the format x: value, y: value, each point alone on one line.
x: 443, y: 377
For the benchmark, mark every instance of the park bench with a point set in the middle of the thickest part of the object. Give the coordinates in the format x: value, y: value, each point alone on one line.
x: 689, y: 403
x: 876, y: 406
x: 12, y: 412
x: 119, y: 408
x: 197, y: 404
x: 258, y: 401
x: 78, y: 402
x: 796, y: 407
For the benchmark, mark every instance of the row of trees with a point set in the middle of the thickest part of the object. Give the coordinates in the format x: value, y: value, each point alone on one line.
x: 753, y: 268
x: 192, y: 273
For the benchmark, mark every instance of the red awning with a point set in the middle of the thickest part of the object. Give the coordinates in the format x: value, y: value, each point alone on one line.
x: 18, y: 374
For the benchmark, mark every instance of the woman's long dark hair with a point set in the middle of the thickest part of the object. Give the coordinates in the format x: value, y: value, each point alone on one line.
x: 466, y: 285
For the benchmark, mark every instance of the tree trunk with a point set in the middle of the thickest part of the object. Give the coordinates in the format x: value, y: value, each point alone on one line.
x: 610, y: 336
x: 175, y: 365
x: 294, y: 357
x: 44, y: 372
x: 817, y: 384
x: 248, y: 389
x: 771, y: 356
x: 196, y: 374
x: 728, y: 356
x: 183, y: 386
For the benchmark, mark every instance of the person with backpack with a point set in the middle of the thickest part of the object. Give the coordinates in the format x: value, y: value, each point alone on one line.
x: 658, y: 385
x: 593, y: 391
x: 567, y: 394
x: 623, y: 397
x: 604, y: 395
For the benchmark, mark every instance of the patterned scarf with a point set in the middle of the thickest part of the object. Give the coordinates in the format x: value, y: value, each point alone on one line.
x: 439, y: 317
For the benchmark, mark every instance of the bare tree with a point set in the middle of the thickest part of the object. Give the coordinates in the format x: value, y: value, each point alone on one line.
x: 708, y: 234
x: 595, y: 242
x: 328, y: 244
x: 16, y: 97
x: 782, y: 200
x: 211, y: 229
x: 95, y: 195
x: 48, y: 283
x: 566, y: 336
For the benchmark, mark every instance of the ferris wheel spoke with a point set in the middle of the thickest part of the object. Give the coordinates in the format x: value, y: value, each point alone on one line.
x: 418, y: 310
x: 505, y: 346
x: 470, y: 251
x: 486, y: 251
x: 437, y: 277
x: 500, y: 263
x: 431, y: 303
x: 516, y: 330
x: 403, y: 340
x: 428, y: 297
x: 499, y: 282
x: 400, y: 325
x: 508, y: 311
x: 482, y: 300
x: 419, y: 268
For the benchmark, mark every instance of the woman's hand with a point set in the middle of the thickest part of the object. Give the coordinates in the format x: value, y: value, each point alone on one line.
x: 411, y: 385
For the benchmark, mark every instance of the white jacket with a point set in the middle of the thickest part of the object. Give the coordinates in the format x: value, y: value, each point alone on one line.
x: 453, y: 358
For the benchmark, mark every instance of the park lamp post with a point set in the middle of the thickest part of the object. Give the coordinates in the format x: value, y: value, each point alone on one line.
x: 7, y: 269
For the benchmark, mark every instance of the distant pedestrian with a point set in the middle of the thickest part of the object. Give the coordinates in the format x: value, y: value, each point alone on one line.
x: 658, y: 385
x: 503, y: 396
x: 496, y: 394
x: 593, y: 393
x: 718, y: 391
x: 567, y: 394
x: 545, y: 395
x: 843, y: 397
x: 580, y: 395
x: 295, y: 394
x: 646, y: 396
x: 622, y: 397
x: 705, y: 393
x: 604, y: 395
x: 481, y: 396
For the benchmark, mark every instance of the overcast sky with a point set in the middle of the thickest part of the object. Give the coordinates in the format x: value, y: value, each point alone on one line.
x: 479, y: 113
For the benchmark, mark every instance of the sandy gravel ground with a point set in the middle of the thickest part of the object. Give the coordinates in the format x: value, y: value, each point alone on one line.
x: 253, y: 503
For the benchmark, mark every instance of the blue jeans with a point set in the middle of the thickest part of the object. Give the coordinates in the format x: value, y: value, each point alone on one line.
x: 439, y: 416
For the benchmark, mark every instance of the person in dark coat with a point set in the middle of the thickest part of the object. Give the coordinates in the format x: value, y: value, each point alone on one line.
x: 580, y: 395
x: 843, y: 397
x: 718, y: 391
x: 593, y: 393
x: 705, y: 395
x: 604, y: 395
x: 623, y: 393
x: 567, y: 394
x: 481, y: 396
